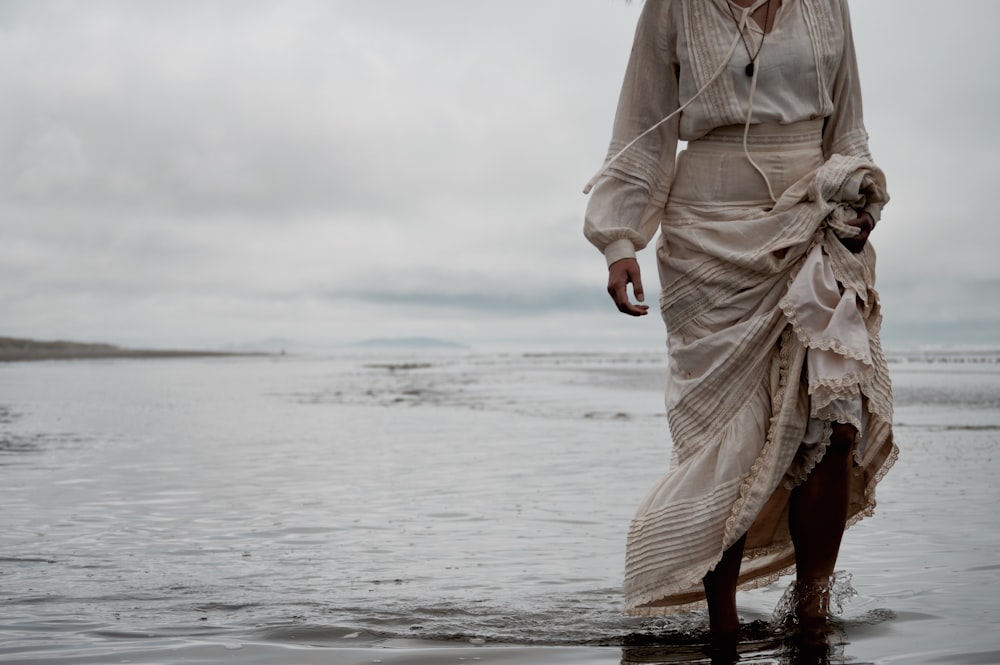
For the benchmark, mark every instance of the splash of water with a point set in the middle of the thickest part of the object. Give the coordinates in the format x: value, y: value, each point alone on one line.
x: 830, y: 597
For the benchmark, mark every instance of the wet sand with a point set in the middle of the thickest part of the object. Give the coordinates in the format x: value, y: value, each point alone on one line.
x: 437, y: 509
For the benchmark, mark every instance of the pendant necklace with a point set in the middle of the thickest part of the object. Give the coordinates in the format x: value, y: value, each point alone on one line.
x: 753, y: 57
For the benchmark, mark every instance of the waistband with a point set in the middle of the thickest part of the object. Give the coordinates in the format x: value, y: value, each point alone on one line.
x: 770, y: 137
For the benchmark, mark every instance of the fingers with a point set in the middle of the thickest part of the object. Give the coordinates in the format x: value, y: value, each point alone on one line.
x: 640, y: 295
x: 855, y: 244
x: 626, y: 307
x: 864, y: 223
x: 620, y: 275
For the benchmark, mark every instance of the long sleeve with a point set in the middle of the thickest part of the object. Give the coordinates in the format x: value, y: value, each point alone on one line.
x: 624, y: 210
x: 844, y: 131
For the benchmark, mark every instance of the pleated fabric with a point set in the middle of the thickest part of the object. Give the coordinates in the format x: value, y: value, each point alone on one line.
x: 773, y: 334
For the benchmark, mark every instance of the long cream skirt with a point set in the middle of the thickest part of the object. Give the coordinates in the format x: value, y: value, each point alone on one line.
x: 772, y: 335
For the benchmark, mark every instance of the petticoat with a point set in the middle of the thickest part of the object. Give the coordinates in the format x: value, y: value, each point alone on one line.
x: 772, y: 334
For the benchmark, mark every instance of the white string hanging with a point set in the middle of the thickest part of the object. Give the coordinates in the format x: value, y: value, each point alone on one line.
x: 723, y: 65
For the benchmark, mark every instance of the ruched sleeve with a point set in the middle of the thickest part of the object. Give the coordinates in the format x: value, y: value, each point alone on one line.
x: 844, y: 130
x: 626, y: 203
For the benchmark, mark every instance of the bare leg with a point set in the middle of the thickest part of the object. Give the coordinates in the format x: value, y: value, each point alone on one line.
x: 818, y: 511
x: 720, y: 591
x: 817, y: 518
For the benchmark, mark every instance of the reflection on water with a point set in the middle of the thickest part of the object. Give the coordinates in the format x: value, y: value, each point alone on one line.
x: 446, y: 501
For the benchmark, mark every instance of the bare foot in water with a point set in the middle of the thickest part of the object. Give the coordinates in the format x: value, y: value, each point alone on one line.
x: 811, y: 618
x: 721, y: 648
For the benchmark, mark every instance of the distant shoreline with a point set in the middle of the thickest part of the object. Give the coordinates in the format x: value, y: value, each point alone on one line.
x: 14, y: 349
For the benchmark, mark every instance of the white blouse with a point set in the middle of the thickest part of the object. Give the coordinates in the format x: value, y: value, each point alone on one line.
x: 807, y: 70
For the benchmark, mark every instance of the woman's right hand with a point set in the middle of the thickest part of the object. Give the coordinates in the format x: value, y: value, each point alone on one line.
x: 620, y: 274
x: 864, y: 223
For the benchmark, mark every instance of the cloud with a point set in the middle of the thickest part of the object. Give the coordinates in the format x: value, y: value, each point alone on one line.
x: 205, y: 171
x: 484, y: 301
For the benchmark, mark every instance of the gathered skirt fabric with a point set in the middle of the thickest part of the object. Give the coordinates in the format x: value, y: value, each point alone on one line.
x: 772, y: 335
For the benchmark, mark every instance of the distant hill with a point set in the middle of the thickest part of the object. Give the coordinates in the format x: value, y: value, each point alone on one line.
x: 417, y: 343
x: 15, y: 348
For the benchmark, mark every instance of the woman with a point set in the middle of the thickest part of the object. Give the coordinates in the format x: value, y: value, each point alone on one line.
x: 778, y: 397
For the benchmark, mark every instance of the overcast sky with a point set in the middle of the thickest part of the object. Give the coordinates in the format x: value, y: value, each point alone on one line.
x: 216, y: 172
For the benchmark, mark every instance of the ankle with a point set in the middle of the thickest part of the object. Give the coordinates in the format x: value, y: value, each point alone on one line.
x: 811, y: 603
x: 722, y: 647
x: 724, y: 628
x: 819, y: 585
x: 723, y: 619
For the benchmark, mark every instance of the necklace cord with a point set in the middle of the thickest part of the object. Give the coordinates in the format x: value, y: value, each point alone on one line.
x: 746, y: 135
x: 751, y: 56
x: 721, y: 68
x: 741, y: 25
x: 753, y: 71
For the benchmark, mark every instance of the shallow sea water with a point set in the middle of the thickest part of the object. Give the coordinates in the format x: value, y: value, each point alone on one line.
x: 432, y: 508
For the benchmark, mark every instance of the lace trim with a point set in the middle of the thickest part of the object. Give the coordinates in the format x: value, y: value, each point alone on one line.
x: 749, y: 585
x: 810, y: 455
x: 869, y: 508
x: 643, y: 605
x: 801, y: 468
x: 843, y: 384
x: 862, y: 284
x: 665, y: 610
x: 822, y: 401
x: 635, y: 606
x: 784, y: 354
x: 822, y: 398
x: 763, y: 580
x: 822, y: 345
x: 876, y: 388
x: 839, y: 417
